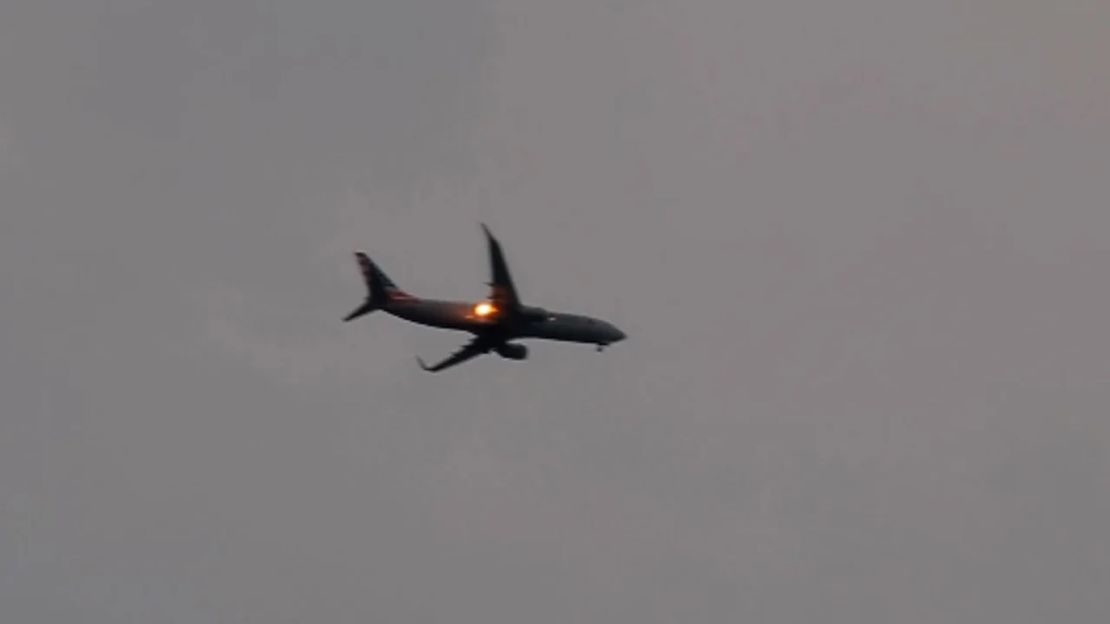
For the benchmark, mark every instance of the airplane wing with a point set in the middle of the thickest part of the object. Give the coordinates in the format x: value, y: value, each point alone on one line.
x: 503, y: 293
x: 474, y: 348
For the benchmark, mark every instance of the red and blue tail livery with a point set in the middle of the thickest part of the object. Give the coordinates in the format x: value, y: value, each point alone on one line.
x: 381, y: 288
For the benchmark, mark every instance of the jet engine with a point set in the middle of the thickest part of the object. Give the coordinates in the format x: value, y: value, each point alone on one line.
x: 512, y: 351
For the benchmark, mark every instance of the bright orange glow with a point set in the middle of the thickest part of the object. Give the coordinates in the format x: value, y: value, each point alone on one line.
x: 484, y: 309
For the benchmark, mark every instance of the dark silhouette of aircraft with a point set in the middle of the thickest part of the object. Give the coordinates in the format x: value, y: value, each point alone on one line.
x: 494, y: 321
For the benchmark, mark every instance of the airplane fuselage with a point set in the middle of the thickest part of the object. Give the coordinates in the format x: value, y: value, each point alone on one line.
x: 530, y: 323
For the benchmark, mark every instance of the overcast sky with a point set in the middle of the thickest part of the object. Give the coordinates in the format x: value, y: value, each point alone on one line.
x: 861, y: 249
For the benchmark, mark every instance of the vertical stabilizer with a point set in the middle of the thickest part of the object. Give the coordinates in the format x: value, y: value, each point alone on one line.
x: 380, y: 290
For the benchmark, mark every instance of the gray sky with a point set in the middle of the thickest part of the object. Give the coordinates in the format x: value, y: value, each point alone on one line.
x: 860, y: 248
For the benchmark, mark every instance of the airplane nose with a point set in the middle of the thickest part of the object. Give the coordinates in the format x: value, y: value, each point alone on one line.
x: 618, y: 335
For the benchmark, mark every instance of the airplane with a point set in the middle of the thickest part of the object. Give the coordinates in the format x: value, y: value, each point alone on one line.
x: 494, y: 321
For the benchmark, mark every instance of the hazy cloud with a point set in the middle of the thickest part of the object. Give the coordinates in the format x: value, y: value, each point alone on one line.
x: 858, y: 248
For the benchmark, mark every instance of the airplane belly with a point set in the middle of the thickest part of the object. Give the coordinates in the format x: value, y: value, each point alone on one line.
x: 558, y: 331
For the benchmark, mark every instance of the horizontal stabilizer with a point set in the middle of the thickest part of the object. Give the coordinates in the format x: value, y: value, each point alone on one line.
x: 362, y: 310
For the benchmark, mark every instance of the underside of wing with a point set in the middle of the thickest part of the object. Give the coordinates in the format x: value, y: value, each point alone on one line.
x: 503, y: 292
x: 473, y: 349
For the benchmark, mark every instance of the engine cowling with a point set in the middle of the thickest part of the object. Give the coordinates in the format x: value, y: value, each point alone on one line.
x: 512, y: 351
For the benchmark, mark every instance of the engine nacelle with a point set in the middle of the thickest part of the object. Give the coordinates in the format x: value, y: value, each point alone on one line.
x: 512, y: 351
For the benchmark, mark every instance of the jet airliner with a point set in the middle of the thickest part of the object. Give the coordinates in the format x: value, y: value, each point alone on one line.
x: 495, y: 321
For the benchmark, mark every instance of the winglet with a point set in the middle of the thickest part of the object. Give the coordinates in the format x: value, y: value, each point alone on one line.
x: 422, y: 364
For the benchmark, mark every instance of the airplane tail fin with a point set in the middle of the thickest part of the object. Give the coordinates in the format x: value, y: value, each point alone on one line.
x: 380, y: 289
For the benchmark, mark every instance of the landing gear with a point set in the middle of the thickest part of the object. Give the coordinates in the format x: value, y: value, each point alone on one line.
x: 600, y: 347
